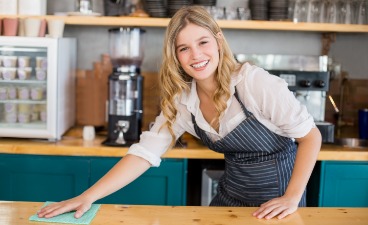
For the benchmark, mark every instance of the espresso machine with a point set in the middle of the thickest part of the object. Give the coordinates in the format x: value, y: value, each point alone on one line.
x: 125, y: 108
x: 310, y: 88
x: 307, y: 77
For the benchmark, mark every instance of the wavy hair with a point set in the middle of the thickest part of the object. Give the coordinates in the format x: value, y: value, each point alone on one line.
x: 173, y: 79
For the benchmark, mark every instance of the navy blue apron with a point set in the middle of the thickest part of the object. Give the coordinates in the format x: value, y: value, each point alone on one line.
x: 258, y: 163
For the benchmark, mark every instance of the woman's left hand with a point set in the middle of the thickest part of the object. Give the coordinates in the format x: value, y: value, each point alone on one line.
x: 277, y: 207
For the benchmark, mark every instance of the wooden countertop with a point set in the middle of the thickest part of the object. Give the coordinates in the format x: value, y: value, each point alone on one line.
x: 18, y: 213
x: 72, y: 144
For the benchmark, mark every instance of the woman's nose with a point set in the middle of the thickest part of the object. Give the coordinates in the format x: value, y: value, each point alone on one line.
x: 196, y: 53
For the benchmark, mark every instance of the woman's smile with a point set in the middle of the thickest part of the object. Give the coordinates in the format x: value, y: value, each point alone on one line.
x: 200, y: 65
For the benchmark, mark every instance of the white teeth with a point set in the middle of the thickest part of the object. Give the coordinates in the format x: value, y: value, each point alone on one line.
x: 199, y: 65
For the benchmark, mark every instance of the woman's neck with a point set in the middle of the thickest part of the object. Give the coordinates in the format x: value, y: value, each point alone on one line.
x: 206, y: 88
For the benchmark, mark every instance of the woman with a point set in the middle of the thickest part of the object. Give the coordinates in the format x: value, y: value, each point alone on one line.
x: 239, y: 110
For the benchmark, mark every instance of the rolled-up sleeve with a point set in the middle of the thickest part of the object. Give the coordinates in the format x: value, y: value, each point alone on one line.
x: 151, y: 147
x: 275, y: 105
x: 154, y: 143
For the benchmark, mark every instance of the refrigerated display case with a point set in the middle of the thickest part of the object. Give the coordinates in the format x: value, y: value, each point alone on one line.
x: 37, y: 87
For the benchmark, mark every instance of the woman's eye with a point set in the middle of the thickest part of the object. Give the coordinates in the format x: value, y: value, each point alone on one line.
x: 183, y: 49
x: 203, y: 42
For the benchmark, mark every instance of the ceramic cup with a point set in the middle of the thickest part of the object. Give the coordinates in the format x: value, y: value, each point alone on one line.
x: 55, y: 28
x: 32, y: 27
x: 88, y: 133
x: 10, y: 26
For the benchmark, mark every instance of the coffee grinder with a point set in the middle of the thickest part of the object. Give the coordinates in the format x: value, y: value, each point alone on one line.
x: 125, y: 107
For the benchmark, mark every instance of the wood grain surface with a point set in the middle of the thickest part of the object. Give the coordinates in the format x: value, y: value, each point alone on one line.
x: 18, y: 213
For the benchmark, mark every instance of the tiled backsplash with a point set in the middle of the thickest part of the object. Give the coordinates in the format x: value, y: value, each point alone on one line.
x: 355, y: 97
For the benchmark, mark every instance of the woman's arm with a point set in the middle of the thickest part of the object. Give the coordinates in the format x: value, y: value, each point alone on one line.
x: 306, y: 157
x: 125, y: 171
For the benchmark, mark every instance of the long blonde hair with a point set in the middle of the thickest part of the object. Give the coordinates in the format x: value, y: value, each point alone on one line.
x: 174, y: 81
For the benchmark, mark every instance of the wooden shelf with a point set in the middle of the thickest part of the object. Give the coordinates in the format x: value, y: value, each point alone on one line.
x: 226, y: 24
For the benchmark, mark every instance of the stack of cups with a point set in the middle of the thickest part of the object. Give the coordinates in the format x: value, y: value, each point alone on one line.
x: 24, y: 69
x: 41, y: 68
x: 8, y: 69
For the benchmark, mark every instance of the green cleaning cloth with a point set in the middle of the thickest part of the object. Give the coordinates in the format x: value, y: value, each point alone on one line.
x: 69, y: 217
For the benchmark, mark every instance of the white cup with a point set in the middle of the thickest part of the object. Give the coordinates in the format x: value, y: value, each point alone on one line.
x: 55, y: 28
x: 32, y: 27
x: 88, y: 133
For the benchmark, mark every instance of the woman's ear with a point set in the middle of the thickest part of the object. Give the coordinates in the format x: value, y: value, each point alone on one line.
x: 219, y: 37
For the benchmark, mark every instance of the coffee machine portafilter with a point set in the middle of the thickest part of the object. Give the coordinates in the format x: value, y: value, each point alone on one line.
x: 125, y: 106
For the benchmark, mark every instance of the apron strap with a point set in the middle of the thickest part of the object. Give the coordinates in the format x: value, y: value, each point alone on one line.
x: 246, y: 112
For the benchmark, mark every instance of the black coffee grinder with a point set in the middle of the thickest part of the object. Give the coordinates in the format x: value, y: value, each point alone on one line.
x: 125, y: 107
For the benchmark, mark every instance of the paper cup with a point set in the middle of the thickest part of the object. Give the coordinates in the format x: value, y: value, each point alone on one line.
x: 12, y: 92
x: 37, y: 93
x: 24, y: 117
x: 9, y: 61
x: 41, y: 62
x: 9, y: 73
x: 3, y: 93
x: 88, y: 133
x: 23, y: 61
x: 41, y: 74
x: 24, y: 73
x: 23, y: 93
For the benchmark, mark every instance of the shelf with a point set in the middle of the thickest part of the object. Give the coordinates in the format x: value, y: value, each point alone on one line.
x: 20, y: 49
x: 20, y: 101
x: 226, y: 24
x: 39, y: 125
x: 23, y: 81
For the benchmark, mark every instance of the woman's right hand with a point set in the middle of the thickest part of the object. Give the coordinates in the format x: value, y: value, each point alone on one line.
x: 79, y: 204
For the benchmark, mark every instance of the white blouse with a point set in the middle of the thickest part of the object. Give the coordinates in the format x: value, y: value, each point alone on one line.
x: 266, y: 96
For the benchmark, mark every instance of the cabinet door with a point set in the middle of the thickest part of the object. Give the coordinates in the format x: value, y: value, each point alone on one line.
x: 165, y: 185
x: 344, y: 184
x: 42, y: 178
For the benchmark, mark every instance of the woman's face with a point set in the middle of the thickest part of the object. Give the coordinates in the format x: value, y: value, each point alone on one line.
x: 197, y: 51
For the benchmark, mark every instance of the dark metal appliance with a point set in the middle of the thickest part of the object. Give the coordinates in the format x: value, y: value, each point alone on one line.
x: 310, y: 88
x: 125, y: 108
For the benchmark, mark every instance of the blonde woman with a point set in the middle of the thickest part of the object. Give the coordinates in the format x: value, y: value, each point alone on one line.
x: 239, y: 110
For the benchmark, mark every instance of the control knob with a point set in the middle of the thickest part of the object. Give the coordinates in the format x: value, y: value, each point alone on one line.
x: 305, y: 83
x: 320, y: 83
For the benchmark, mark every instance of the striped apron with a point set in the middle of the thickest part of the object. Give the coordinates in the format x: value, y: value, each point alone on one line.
x: 258, y: 163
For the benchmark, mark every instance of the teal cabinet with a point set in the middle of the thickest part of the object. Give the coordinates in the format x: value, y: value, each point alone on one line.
x: 343, y: 184
x: 165, y: 185
x: 42, y: 178
x: 56, y: 178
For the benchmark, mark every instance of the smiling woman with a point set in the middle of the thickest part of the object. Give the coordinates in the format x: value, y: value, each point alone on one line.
x: 237, y: 110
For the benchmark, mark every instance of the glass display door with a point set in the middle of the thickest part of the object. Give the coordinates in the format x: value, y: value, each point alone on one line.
x: 23, y: 87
